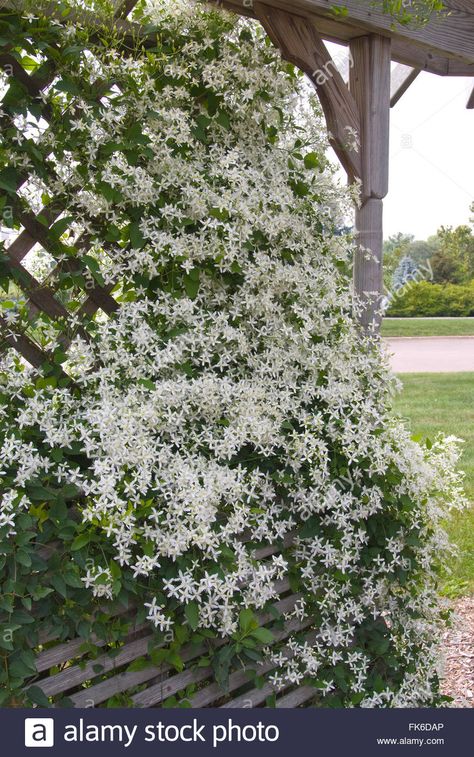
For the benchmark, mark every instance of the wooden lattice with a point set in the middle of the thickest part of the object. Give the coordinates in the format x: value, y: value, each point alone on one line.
x: 36, y: 229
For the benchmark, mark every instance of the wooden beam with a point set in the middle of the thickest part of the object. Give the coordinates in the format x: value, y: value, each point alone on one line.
x: 370, y: 86
x: 300, y: 44
x: 470, y: 102
x: 124, y: 7
x: 450, y: 35
x: 406, y: 48
x: 444, y: 47
x: 401, y: 80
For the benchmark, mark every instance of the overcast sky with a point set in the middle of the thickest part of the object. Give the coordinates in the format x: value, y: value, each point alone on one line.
x: 431, y: 156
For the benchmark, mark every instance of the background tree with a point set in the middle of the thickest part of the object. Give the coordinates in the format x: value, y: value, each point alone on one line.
x: 401, y: 245
x: 405, y: 272
x: 454, y: 260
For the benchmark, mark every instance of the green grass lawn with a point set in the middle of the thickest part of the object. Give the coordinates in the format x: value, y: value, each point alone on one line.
x: 428, y: 327
x: 445, y: 402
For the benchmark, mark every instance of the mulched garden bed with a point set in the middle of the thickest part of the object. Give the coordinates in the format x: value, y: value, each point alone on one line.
x: 458, y: 644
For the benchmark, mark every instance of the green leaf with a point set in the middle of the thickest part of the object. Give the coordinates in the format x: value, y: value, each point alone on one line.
x: 23, y: 557
x: 175, y: 660
x: 58, y: 228
x: 300, y: 188
x: 311, y: 160
x: 80, y: 541
x: 192, y: 614
x: 263, y: 635
x: 68, y: 85
x: 19, y: 669
x: 191, y: 285
x: 6, y: 603
x: 59, y: 584
x: 223, y: 119
x: 158, y: 656
x: 115, y: 569
x: 147, y: 383
x: 108, y: 192
x: 40, y: 592
x: 247, y: 620
x: 139, y: 664
x: 37, y: 696
x: 9, y: 179
x: 135, y: 134
x: 137, y: 239
x: 39, y: 493
x: 22, y: 617
x: 310, y: 528
x: 113, y: 234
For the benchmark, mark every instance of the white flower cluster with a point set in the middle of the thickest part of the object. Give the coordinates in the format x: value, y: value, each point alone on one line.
x: 100, y: 580
x: 232, y: 395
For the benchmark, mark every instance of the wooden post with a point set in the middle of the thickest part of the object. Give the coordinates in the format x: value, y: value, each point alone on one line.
x: 370, y: 86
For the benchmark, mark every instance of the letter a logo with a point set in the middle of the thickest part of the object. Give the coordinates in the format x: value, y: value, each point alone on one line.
x: 39, y: 732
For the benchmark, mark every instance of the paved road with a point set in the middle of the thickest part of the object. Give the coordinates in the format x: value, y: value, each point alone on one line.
x: 431, y: 354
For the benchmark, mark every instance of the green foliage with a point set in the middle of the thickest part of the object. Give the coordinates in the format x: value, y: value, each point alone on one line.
x: 453, y: 262
x: 426, y: 299
x: 43, y: 594
x: 415, y: 13
x: 445, y: 402
x: 427, y: 327
x: 401, y: 245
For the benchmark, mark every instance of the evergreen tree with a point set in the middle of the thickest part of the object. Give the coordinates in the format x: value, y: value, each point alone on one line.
x: 404, y: 273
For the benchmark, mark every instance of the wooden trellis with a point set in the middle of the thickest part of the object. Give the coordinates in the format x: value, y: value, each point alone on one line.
x: 445, y: 47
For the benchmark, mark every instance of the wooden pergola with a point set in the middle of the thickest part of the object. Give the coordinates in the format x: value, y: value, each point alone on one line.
x: 299, y: 28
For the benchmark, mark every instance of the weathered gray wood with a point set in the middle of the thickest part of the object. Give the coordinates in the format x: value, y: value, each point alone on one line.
x: 124, y: 7
x: 273, y: 549
x: 300, y: 43
x: 402, y: 79
x: 40, y: 295
x: 62, y: 653
x: 76, y: 674
x: 370, y: 85
x: 470, y: 102
x: 162, y: 689
x: 212, y: 693
x: 442, y: 50
x: 296, y: 698
x: 70, y: 650
x: 122, y: 682
x: 445, y: 39
x: 73, y: 676
x: 368, y: 274
x: 250, y: 699
x: 22, y: 344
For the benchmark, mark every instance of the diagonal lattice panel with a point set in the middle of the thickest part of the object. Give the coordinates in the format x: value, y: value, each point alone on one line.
x: 38, y: 229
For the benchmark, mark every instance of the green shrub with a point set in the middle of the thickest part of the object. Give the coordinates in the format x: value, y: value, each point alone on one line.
x: 426, y: 299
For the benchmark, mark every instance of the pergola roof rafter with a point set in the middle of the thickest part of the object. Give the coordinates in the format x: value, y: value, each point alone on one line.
x: 445, y: 46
